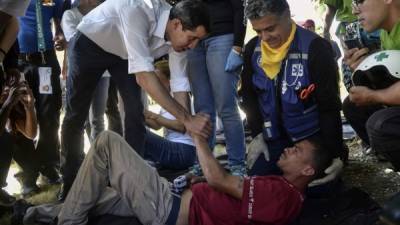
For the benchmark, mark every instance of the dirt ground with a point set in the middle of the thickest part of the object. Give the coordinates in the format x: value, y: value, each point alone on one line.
x: 368, y: 173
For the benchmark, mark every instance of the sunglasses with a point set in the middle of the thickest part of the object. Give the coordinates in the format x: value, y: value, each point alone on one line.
x: 357, y: 2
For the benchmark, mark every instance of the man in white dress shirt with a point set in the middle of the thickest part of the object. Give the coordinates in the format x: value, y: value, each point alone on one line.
x: 124, y: 37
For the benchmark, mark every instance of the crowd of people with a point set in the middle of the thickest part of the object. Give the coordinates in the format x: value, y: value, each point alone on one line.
x: 189, y: 56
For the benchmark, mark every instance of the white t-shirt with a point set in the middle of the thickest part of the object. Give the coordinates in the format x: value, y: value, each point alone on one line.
x: 69, y: 23
x: 14, y: 7
x: 131, y: 29
x: 172, y: 135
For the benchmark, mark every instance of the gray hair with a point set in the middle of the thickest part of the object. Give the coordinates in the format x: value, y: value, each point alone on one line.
x: 255, y: 9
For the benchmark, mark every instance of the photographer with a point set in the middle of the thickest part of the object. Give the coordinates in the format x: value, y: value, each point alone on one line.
x: 18, y: 126
x: 374, y: 113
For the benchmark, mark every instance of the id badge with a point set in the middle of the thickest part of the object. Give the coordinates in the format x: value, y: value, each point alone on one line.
x: 45, y: 80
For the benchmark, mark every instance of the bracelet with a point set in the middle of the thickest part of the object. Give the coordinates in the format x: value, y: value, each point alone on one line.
x: 2, y: 51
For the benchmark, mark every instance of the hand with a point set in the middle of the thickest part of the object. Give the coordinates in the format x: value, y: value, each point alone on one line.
x: 13, y: 77
x: 150, y: 115
x: 27, y: 97
x: 331, y: 172
x: 59, y: 42
x: 353, y: 57
x: 234, y: 61
x: 361, y: 95
x: 199, y: 124
x: 14, y: 96
x: 256, y: 147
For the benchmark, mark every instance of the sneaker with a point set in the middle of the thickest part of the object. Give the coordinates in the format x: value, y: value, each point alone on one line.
x: 238, y: 170
x: 6, y: 199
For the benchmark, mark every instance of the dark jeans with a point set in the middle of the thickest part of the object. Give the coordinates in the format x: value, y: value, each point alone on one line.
x: 87, y: 63
x: 383, y: 129
x: 47, y: 106
x: 377, y: 126
x: 169, y: 154
x: 112, y: 110
x: 22, y: 150
x: 357, y: 117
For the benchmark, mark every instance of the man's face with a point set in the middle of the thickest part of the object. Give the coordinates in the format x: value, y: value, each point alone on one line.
x: 182, y: 40
x: 298, y: 158
x: 370, y: 13
x: 273, y: 29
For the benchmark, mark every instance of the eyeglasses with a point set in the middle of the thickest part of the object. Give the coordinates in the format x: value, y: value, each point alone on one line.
x: 357, y: 2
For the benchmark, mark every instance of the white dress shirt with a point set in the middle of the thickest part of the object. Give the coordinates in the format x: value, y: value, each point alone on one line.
x: 14, y: 7
x: 133, y: 30
x: 69, y: 22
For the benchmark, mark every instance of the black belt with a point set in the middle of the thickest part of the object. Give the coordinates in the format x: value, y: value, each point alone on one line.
x: 173, y: 215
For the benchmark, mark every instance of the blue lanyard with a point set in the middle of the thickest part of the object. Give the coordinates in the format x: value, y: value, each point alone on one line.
x: 39, y: 27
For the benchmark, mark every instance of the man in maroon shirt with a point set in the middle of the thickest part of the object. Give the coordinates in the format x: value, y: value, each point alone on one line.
x: 115, y: 180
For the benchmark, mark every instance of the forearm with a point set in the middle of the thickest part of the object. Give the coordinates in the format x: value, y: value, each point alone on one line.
x: 388, y: 96
x: 329, y: 16
x: 153, y: 124
x: 151, y: 84
x: 212, y: 170
x: 171, y: 124
x: 215, y: 175
x: 30, y: 126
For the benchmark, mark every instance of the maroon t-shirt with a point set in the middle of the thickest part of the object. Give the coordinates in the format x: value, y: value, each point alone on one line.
x: 266, y: 200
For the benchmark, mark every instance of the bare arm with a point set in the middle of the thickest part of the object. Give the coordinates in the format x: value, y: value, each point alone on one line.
x: 215, y: 175
x: 28, y: 127
x: 198, y: 124
x: 361, y: 95
x: 329, y: 16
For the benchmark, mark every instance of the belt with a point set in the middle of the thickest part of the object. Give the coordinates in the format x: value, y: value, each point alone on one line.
x: 173, y: 215
x: 36, y: 56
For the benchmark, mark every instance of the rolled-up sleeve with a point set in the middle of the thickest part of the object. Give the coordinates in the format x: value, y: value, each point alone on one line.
x: 179, y: 80
x: 136, y: 37
x: 69, y: 24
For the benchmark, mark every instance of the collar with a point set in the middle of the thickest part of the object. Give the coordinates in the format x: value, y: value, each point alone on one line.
x: 162, y: 23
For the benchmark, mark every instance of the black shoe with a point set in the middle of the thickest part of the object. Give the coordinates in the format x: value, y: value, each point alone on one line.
x: 52, y: 175
x: 6, y: 199
x: 20, y: 208
x: 28, y: 184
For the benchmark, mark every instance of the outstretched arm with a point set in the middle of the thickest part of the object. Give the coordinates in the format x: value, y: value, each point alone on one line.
x: 215, y: 175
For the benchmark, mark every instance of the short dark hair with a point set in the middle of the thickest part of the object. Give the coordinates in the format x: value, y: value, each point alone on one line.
x: 255, y: 9
x: 322, y: 157
x: 191, y: 13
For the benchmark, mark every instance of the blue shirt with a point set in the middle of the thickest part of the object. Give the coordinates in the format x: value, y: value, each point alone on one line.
x: 27, y: 35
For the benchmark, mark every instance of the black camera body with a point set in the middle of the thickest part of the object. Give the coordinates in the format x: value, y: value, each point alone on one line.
x: 356, y: 37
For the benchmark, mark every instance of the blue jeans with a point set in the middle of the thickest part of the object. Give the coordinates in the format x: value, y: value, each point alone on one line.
x: 214, y: 92
x: 168, y: 154
x: 98, y: 108
x: 87, y: 63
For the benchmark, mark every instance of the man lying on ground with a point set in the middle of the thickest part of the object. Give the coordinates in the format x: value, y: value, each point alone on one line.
x: 113, y: 179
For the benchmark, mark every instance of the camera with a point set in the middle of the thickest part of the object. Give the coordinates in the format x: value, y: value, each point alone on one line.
x: 356, y: 37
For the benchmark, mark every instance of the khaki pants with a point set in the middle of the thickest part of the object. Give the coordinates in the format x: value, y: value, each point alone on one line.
x: 136, y: 188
